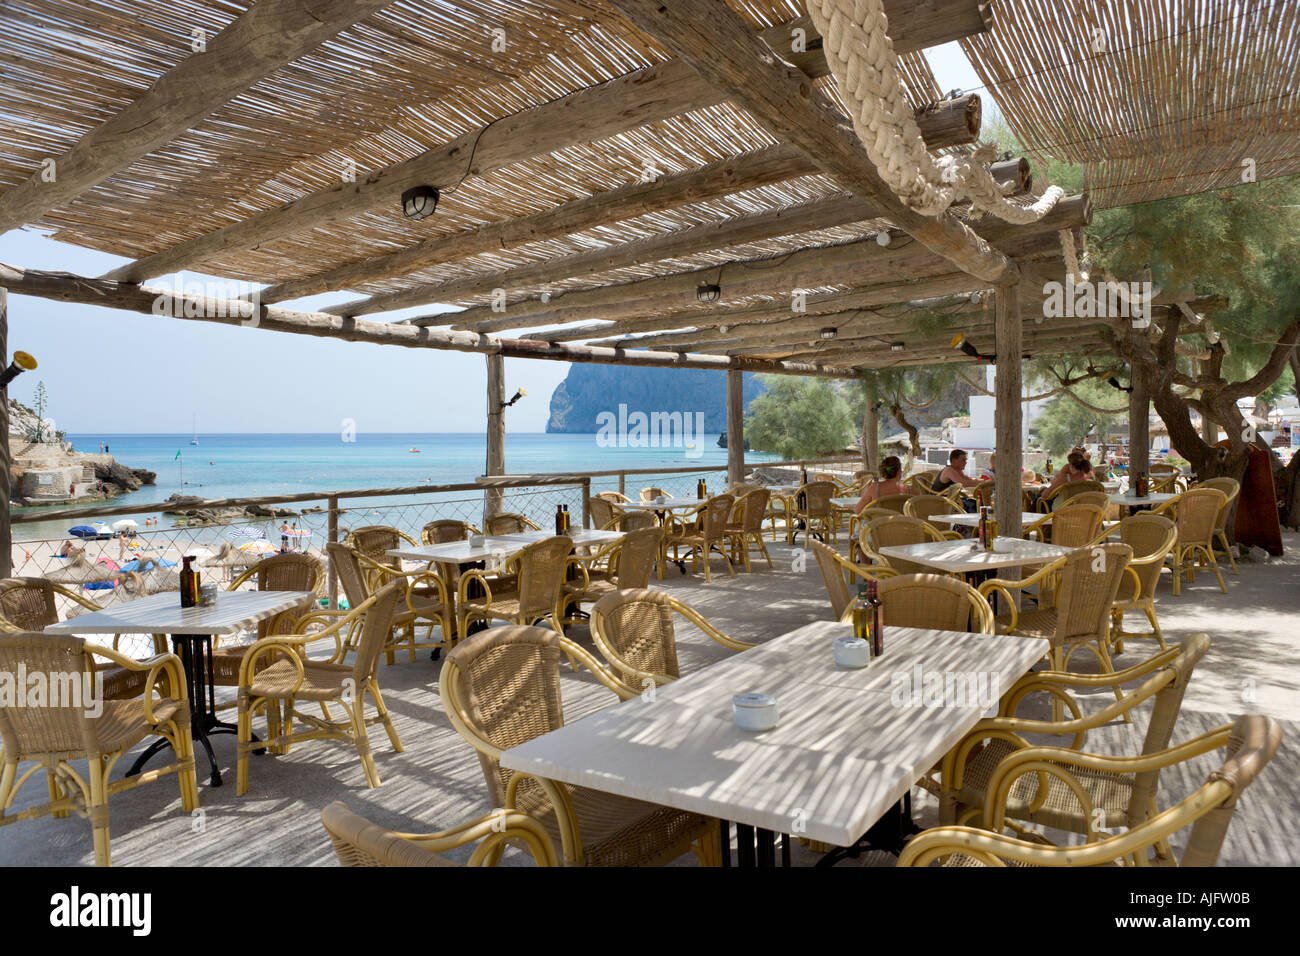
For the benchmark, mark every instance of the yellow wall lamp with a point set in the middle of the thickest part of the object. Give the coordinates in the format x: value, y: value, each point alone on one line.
x: 22, y: 363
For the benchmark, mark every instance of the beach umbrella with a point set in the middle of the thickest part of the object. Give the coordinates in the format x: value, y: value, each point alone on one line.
x: 83, y: 531
x: 245, y: 531
x: 78, y: 570
x: 147, y: 563
x: 126, y: 524
x: 257, y: 547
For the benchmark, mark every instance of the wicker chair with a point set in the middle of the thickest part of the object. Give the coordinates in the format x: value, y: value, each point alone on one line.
x: 746, y: 531
x: 534, y: 592
x: 817, y: 511
x: 445, y: 530
x: 838, y: 570
x: 1063, y: 493
x: 614, y: 497
x: 1250, y: 742
x: 893, y: 531
x: 934, y: 601
x: 30, y: 604
x: 358, y: 842
x: 276, y: 688
x: 627, y: 563
x: 501, y: 688
x: 1230, y: 488
x: 603, y: 516
x: 885, y: 504
x: 508, y: 522
x: 923, y: 481
x: 1196, y: 516
x: 633, y: 630
x: 1127, y: 799
x: 926, y: 507
x: 1165, y: 478
x: 64, y: 731
x: 375, y: 541
x: 427, y: 601
x: 707, y: 535
x: 1151, y: 537
x: 1070, y: 526
x: 635, y: 520
x: 650, y: 494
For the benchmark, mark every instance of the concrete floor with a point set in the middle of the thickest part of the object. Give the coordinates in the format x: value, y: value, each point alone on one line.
x: 1253, y: 666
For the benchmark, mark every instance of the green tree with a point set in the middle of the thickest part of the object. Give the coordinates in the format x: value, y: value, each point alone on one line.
x: 798, y: 418
x: 1064, y: 422
x: 38, y: 405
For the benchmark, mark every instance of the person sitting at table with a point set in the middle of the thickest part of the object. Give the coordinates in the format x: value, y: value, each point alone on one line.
x: 888, y: 483
x: 1077, y: 468
x: 1026, y: 476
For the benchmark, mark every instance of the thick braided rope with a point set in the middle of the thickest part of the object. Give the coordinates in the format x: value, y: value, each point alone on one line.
x: 855, y: 37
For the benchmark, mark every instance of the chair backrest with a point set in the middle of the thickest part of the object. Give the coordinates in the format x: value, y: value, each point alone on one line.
x: 1150, y: 536
x: 1198, y: 514
x: 636, y: 520
x: 817, y: 498
x: 923, y: 481
x: 541, y: 574
x: 635, y: 627
x: 376, y: 626
x: 926, y: 507
x: 753, y: 505
x: 1074, y: 525
x: 508, y: 522
x: 507, y: 690
x: 1230, y: 487
x: 896, y: 530
x: 717, y: 512
x: 897, y: 503
x: 933, y: 601
x: 64, y: 724
x: 351, y: 577
x: 833, y: 577
x: 1072, y: 488
x: 27, y: 604
x: 1090, y: 580
x: 287, y: 572
x: 1162, y: 468
x: 613, y: 497
x: 602, y: 512
x: 375, y: 540
x: 637, y: 554
x: 444, y: 530
x: 650, y: 494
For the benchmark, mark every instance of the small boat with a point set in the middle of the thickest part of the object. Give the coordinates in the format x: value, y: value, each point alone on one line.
x: 195, y: 439
x: 413, y: 451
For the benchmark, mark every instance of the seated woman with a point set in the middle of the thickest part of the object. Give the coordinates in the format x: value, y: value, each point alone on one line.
x: 888, y: 483
x: 1077, y: 468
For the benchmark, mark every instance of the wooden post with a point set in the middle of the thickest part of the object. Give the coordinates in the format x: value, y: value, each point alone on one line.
x: 586, y: 502
x: 735, y: 427
x: 496, y: 431
x: 332, y: 506
x: 871, y: 430
x: 622, y: 483
x: 1139, y: 432
x: 6, y: 535
x: 1008, y: 411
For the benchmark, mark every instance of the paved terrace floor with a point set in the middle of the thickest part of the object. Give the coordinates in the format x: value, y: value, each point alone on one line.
x: 1253, y: 666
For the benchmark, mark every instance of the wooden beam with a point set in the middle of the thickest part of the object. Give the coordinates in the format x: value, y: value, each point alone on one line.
x: 735, y: 427
x: 6, y: 488
x: 112, y: 294
x: 261, y: 40
x: 713, y: 39
x: 1008, y: 413
x: 607, y: 109
x: 496, y: 433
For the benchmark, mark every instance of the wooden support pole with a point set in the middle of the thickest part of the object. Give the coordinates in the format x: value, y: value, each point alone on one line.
x: 496, y: 433
x: 1008, y: 412
x: 735, y: 427
x: 871, y: 429
x: 6, y: 535
x: 332, y: 505
x: 1139, y: 431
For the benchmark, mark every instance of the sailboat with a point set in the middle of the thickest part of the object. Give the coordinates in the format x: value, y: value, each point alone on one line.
x: 195, y: 439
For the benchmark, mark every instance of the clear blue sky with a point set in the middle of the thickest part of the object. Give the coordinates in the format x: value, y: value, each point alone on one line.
x: 108, y: 371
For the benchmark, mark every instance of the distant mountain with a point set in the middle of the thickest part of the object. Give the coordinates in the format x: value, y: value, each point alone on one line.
x: 589, y: 390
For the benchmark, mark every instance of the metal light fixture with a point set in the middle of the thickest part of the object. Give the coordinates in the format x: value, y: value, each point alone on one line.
x: 708, y: 293
x: 895, y: 346
x: 829, y: 332
x: 419, y: 202
x: 883, y: 238
x: 975, y: 298
x: 959, y: 342
x: 519, y: 393
x: 22, y: 363
x: 1113, y: 382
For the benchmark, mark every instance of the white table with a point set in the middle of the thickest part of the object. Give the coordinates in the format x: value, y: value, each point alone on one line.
x: 972, y: 521
x: 191, y: 630
x: 849, y: 744
x: 849, y: 504
x: 668, y: 504
x: 465, y: 552
x: 966, y: 556
x: 1130, y: 500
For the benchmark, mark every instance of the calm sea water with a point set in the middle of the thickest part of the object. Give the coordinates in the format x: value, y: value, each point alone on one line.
x: 228, y: 466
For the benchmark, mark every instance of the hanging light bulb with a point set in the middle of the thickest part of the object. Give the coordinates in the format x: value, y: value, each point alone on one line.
x: 419, y: 202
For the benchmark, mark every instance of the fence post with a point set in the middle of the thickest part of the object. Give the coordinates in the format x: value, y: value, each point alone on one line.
x: 586, y: 502
x: 622, y: 483
x: 333, y: 535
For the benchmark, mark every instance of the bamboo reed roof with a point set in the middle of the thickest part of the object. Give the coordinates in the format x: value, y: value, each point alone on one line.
x: 1146, y: 121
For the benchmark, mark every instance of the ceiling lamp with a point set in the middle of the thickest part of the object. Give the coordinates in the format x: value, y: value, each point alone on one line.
x: 883, y: 238
x: 828, y: 333
x: 22, y: 363
x: 419, y: 202
x: 895, y: 346
x: 959, y: 342
x: 708, y: 293
x: 1113, y: 382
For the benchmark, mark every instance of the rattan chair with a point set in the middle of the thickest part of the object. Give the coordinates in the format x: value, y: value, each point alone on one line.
x: 634, y: 520
x: 706, y: 535
x: 926, y: 507
x: 1196, y: 514
x: 1231, y: 488
x: 627, y: 563
x: 923, y: 481
x: 746, y: 530
x: 816, y: 512
x: 1250, y: 742
x: 1089, y: 581
x: 509, y: 522
x: 1063, y: 493
x: 358, y: 842
x: 884, y: 505
x: 31, y: 604
x: 603, y: 517
x: 837, y: 571
x: 445, y: 530
x: 1166, y: 479
x: 427, y: 601
x: 501, y: 688
x: 534, y: 592
x: 614, y: 497
x: 935, y: 602
x: 969, y: 768
x: 375, y: 541
x: 1151, y: 537
x: 650, y: 494
x: 633, y: 631
x: 62, y: 731
x: 276, y: 688
x: 1070, y: 526
x: 892, y: 531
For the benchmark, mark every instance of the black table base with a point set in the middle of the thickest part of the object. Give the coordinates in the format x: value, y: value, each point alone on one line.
x: 887, y: 834
x: 195, y: 652
x: 754, y: 846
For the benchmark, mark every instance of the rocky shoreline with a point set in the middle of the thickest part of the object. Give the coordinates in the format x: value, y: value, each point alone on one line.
x: 191, y: 513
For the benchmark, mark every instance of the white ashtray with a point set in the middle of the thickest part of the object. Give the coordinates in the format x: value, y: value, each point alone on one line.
x: 755, y: 711
x: 1004, y: 545
x: 851, y: 652
x: 477, y: 540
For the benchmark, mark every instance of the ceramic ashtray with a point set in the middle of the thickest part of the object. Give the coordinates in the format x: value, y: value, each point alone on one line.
x: 755, y: 711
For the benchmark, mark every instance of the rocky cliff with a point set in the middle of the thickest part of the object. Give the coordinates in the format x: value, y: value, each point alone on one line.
x: 589, y: 390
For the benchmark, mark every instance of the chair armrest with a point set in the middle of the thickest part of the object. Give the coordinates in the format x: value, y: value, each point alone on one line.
x: 573, y: 561
x: 427, y: 576
x: 169, y: 664
x: 462, y: 588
